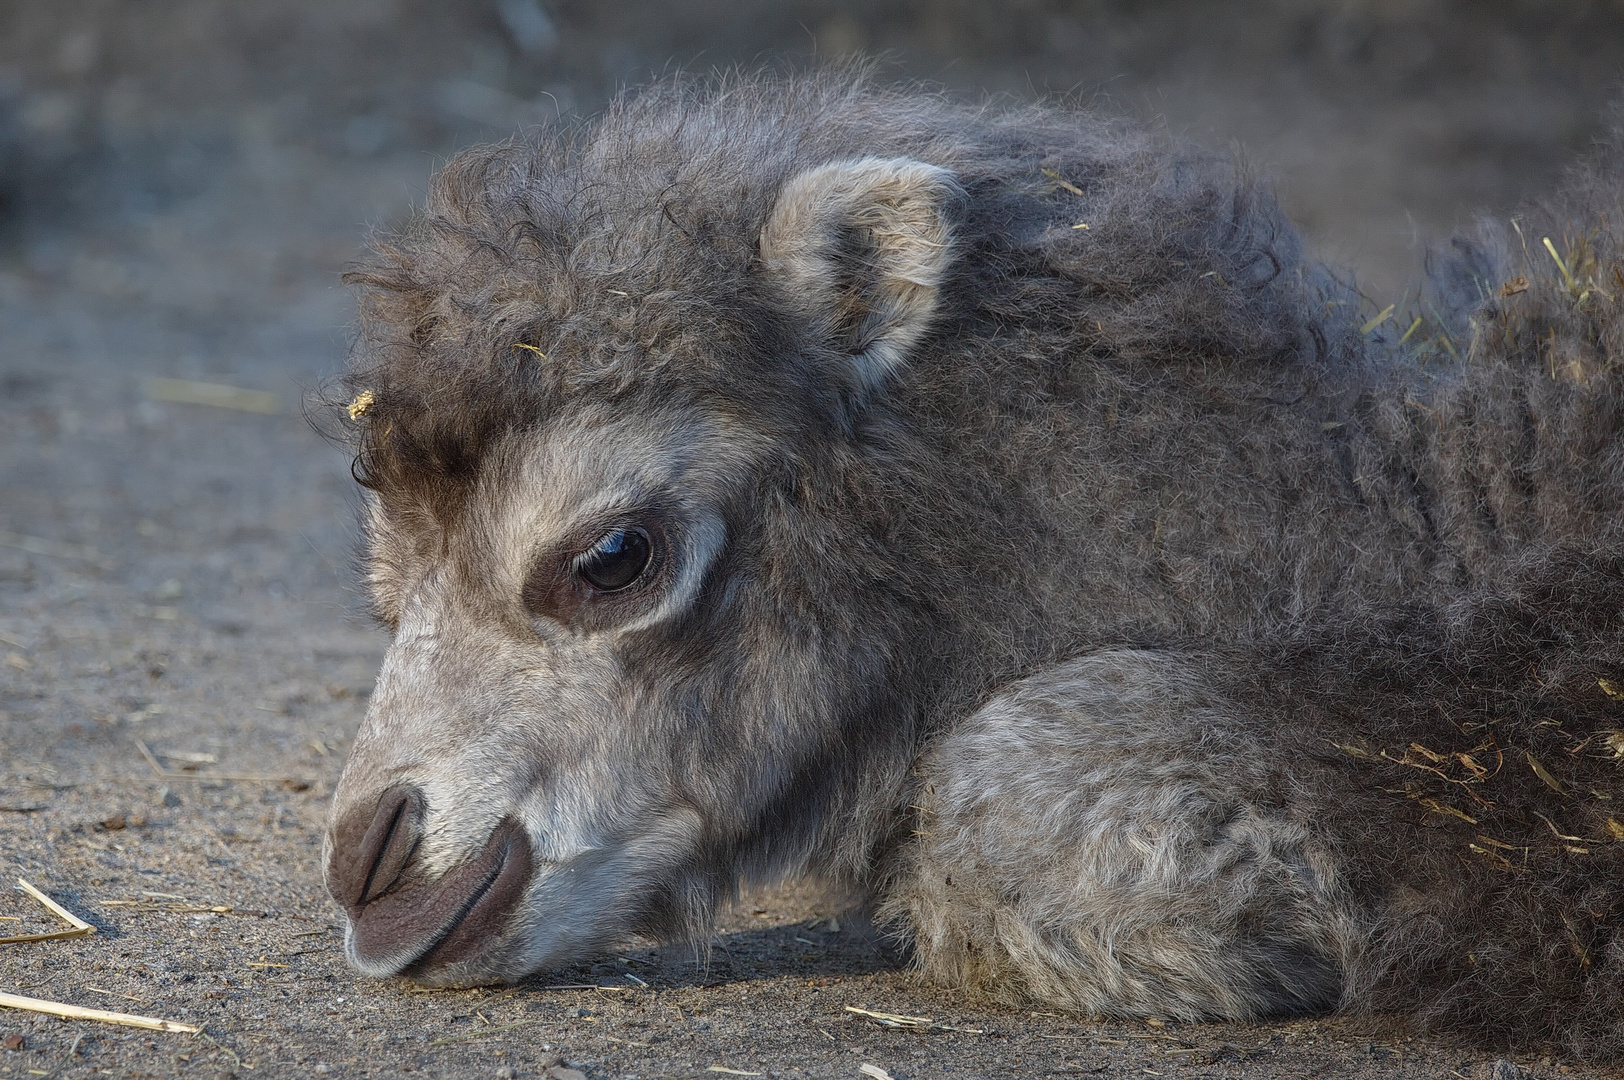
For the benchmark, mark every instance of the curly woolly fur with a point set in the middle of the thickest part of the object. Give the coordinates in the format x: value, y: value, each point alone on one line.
x: 1147, y: 633
x: 1414, y: 813
x: 1496, y: 904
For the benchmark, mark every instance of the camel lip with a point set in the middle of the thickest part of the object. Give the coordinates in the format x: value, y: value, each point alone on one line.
x: 421, y: 928
x: 468, y: 907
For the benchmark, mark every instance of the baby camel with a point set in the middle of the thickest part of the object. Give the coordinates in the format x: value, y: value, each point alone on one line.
x: 993, y: 510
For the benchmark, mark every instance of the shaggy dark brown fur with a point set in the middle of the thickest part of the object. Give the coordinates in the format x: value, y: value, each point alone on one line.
x: 1469, y: 763
x: 1058, y: 390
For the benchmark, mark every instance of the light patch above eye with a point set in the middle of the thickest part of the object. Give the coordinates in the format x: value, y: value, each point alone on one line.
x: 603, y: 519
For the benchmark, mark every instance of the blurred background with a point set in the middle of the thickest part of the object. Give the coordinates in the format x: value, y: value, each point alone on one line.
x: 1386, y: 123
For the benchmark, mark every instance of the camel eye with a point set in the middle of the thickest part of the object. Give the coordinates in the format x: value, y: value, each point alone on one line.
x: 616, y: 561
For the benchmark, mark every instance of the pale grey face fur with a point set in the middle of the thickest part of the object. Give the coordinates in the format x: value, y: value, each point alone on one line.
x: 493, y: 709
x: 1084, y: 595
x: 508, y: 693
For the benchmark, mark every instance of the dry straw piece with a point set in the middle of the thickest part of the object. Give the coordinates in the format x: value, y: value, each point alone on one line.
x: 54, y: 549
x: 920, y: 1023
x: 76, y: 1012
x: 80, y: 927
x: 173, y: 907
x: 162, y: 773
x: 893, y: 1020
x: 79, y: 1012
x: 217, y: 395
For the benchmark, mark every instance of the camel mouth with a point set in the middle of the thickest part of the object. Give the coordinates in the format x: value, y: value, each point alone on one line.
x: 420, y: 929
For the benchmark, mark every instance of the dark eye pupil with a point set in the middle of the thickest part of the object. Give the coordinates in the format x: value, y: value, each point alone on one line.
x: 616, y: 561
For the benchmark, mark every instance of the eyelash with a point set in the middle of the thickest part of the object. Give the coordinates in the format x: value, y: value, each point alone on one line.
x: 602, y: 547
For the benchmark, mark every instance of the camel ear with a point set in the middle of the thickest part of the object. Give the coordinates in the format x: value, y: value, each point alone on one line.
x: 859, y: 249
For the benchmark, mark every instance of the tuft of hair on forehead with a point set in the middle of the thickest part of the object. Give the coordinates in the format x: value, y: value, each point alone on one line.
x: 621, y: 261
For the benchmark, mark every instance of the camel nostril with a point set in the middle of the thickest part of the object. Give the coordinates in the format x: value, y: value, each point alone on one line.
x: 394, y: 833
x: 371, y: 851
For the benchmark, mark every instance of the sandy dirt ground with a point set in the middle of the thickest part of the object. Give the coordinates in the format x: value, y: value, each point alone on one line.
x: 182, y: 658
